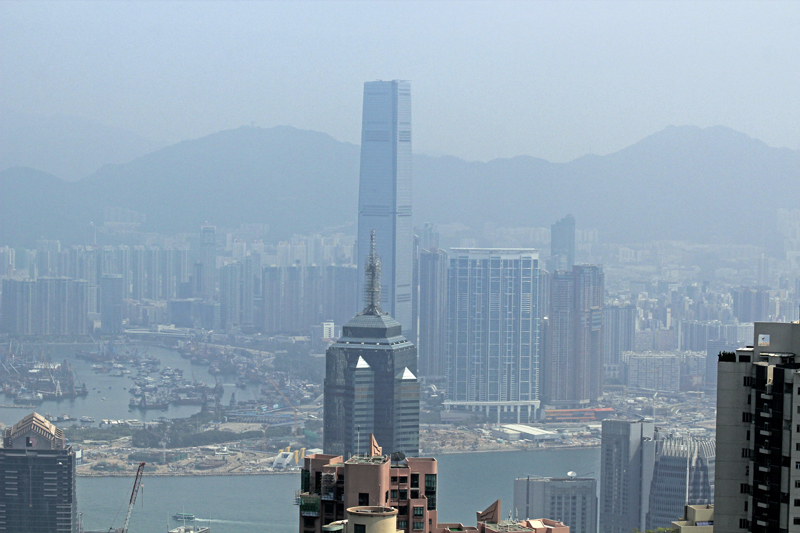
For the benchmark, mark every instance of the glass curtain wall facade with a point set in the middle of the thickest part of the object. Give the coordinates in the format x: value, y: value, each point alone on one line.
x: 384, y: 193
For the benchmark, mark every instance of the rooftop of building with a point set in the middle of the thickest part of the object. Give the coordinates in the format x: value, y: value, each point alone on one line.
x: 39, y: 425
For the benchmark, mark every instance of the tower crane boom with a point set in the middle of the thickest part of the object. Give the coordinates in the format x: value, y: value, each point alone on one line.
x: 136, y: 484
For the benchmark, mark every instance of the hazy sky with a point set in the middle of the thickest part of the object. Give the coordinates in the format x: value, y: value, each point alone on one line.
x: 489, y: 79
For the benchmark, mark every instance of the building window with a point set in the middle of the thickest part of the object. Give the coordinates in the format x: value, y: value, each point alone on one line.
x: 748, y: 435
x: 746, y: 452
x: 403, y: 480
x: 797, y: 483
x: 403, y: 495
x: 796, y: 521
x: 402, y: 524
x: 797, y: 502
x: 747, y: 417
x: 359, y: 528
x: 363, y: 498
x: 402, y: 510
x: 419, y: 525
x: 386, y: 498
x: 394, y: 494
x: 419, y: 511
x: 744, y: 523
x: 394, y: 479
x: 797, y: 465
x: 415, y: 477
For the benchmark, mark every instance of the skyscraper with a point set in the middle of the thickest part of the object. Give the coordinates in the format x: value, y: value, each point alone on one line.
x: 37, y: 479
x: 627, y: 458
x: 432, y: 313
x: 683, y: 474
x: 384, y: 193
x: 493, y: 332
x: 574, y: 359
x: 111, y: 304
x: 562, y: 244
x: 208, y: 256
x: 370, y: 381
x: 571, y: 500
x: 757, y: 485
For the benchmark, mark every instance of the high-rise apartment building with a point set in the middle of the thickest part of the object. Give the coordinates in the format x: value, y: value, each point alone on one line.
x: 758, y: 433
x: 370, y: 381
x: 432, y: 321
x: 208, y: 256
x: 37, y: 479
x: 619, y: 332
x: 111, y: 304
x: 562, y: 243
x: 384, y: 193
x: 627, y: 459
x: 571, y: 500
x: 493, y: 332
x: 45, y: 306
x: 296, y: 298
x: 330, y: 485
x: 573, y: 361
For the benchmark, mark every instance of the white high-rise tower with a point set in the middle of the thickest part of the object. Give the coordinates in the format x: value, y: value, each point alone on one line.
x: 384, y: 192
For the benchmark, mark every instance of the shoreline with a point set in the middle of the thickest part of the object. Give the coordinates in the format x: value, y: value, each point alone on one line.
x: 532, y: 449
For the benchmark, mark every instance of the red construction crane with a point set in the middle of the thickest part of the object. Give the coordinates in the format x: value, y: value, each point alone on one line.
x: 136, y: 484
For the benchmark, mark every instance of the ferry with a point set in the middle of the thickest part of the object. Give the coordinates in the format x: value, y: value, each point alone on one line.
x: 183, y: 516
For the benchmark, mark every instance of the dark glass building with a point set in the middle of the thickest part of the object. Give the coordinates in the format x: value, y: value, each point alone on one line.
x: 37, y: 479
x: 370, y: 381
x: 562, y: 243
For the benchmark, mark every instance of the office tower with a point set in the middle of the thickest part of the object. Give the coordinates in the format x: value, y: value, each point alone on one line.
x: 329, y: 485
x: 571, y: 500
x: 683, y: 474
x: 619, y: 332
x: 370, y: 380
x: 627, y: 459
x: 208, y: 256
x: 573, y: 367
x: 111, y: 304
x: 432, y: 323
x: 37, y: 479
x: 493, y: 332
x: 562, y: 243
x: 153, y: 273
x: 230, y: 295
x: 757, y: 485
x: 384, y: 191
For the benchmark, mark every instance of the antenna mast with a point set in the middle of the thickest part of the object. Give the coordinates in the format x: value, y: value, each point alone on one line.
x: 372, y: 284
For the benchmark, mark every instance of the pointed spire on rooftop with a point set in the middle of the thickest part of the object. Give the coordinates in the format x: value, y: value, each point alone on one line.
x: 372, y: 283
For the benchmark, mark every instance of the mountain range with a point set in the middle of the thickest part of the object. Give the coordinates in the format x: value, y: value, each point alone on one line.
x: 707, y: 185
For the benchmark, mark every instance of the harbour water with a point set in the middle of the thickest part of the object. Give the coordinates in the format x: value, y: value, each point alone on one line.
x: 467, y: 482
x: 245, y: 504
x: 108, y: 395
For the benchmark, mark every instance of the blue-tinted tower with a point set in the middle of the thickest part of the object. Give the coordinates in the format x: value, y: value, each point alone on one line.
x: 384, y: 193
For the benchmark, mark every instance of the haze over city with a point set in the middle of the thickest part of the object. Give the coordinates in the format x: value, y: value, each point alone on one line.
x: 370, y: 267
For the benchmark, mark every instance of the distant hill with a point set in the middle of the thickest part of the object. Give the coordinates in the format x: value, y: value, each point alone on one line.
x: 68, y: 147
x: 689, y: 183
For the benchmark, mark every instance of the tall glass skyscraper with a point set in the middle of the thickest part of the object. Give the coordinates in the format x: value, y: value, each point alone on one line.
x: 493, y: 332
x: 384, y: 193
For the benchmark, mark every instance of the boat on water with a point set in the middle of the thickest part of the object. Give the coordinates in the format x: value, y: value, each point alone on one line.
x: 87, y: 419
x: 190, y: 529
x: 183, y: 516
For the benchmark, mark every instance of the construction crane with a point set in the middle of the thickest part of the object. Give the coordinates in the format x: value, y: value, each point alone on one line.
x: 136, y: 484
x: 290, y: 404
